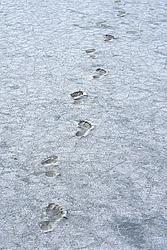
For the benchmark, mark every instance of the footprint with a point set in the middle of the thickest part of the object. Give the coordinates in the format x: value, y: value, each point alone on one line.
x: 90, y: 51
x: 99, y: 72
x: 109, y: 37
x: 96, y: 76
x: 51, y: 214
x: 84, y: 124
x: 133, y: 232
x: 83, y: 133
x: 52, y: 173
x: 121, y: 13
x: 85, y: 128
x: 53, y: 159
x: 46, y: 226
x: 15, y: 87
x: 78, y: 95
x: 80, y: 133
x: 103, y: 24
x: 55, y: 212
x: 48, y: 173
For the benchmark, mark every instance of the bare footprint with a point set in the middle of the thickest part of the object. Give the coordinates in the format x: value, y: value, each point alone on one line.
x: 78, y: 95
x: 51, y: 160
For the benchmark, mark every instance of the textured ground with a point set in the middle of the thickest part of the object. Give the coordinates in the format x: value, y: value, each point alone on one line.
x: 113, y: 182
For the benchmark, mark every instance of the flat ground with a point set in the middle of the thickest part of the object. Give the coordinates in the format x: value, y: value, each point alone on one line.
x: 112, y: 182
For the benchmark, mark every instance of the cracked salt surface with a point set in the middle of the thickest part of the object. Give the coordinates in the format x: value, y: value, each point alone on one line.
x: 113, y: 181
